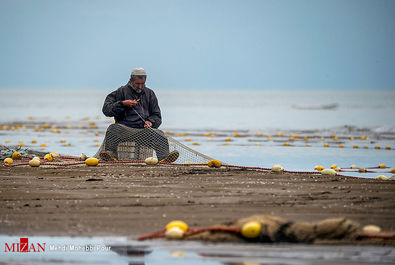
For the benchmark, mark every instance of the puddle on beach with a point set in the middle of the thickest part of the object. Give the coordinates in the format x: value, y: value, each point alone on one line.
x: 120, y: 250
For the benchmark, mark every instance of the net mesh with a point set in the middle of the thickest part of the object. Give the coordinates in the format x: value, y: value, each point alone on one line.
x: 131, y: 144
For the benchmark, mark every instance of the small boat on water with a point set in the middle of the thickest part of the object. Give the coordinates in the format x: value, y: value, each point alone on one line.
x: 317, y: 107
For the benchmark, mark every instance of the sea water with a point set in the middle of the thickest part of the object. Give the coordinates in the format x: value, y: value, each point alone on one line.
x: 255, y: 115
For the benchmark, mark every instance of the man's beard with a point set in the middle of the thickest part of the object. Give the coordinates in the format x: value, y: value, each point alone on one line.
x: 138, y: 90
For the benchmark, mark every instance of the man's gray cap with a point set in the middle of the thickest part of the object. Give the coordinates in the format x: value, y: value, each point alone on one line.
x: 138, y: 71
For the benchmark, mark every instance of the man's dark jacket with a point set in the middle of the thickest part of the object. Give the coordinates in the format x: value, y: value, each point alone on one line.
x: 147, y: 107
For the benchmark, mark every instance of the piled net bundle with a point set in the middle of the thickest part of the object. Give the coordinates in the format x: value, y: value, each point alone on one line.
x: 276, y: 229
x: 130, y: 144
x: 273, y: 229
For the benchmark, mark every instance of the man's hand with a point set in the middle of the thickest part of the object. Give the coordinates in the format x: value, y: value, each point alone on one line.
x: 130, y: 103
x: 147, y: 124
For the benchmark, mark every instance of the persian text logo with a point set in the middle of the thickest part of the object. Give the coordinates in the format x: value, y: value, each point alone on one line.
x: 24, y: 246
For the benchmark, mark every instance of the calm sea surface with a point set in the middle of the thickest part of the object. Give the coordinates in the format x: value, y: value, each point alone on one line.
x: 287, y: 116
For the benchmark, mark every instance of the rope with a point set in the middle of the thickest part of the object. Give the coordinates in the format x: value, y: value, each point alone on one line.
x: 120, y: 162
x: 356, y: 171
x: 29, y: 157
x: 161, y: 233
x: 176, y: 164
x: 15, y: 165
x: 69, y: 157
x: 340, y: 175
x: 383, y: 235
x: 244, y: 167
x: 156, y: 234
x: 60, y: 164
x: 62, y: 157
x: 302, y: 172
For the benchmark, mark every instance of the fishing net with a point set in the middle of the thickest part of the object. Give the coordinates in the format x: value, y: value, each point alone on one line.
x: 131, y: 144
x: 276, y: 229
x: 6, y: 151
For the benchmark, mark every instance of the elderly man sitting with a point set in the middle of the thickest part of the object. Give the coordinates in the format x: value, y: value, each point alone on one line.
x: 135, y: 106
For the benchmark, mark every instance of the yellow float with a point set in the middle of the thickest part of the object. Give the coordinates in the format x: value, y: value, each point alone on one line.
x: 92, y: 161
x: 179, y: 224
x: 251, y: 229
x: 214, y: 163
x: 16, y: 156
x: 48, y: 157
x: 371, y: 229
x: 151, y: 161
x: 277, y: 169
x: 174, y: 233
x: 34, y: 162
x: 329, y: 172
x: 8, y: 161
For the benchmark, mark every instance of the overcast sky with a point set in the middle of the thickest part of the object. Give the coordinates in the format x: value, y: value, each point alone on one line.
x: 210, y: 44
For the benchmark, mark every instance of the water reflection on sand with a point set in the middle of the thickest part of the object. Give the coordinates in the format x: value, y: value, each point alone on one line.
x: 130, y: 252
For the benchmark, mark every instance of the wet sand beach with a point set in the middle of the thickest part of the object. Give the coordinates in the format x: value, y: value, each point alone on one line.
x: 125, y: 200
